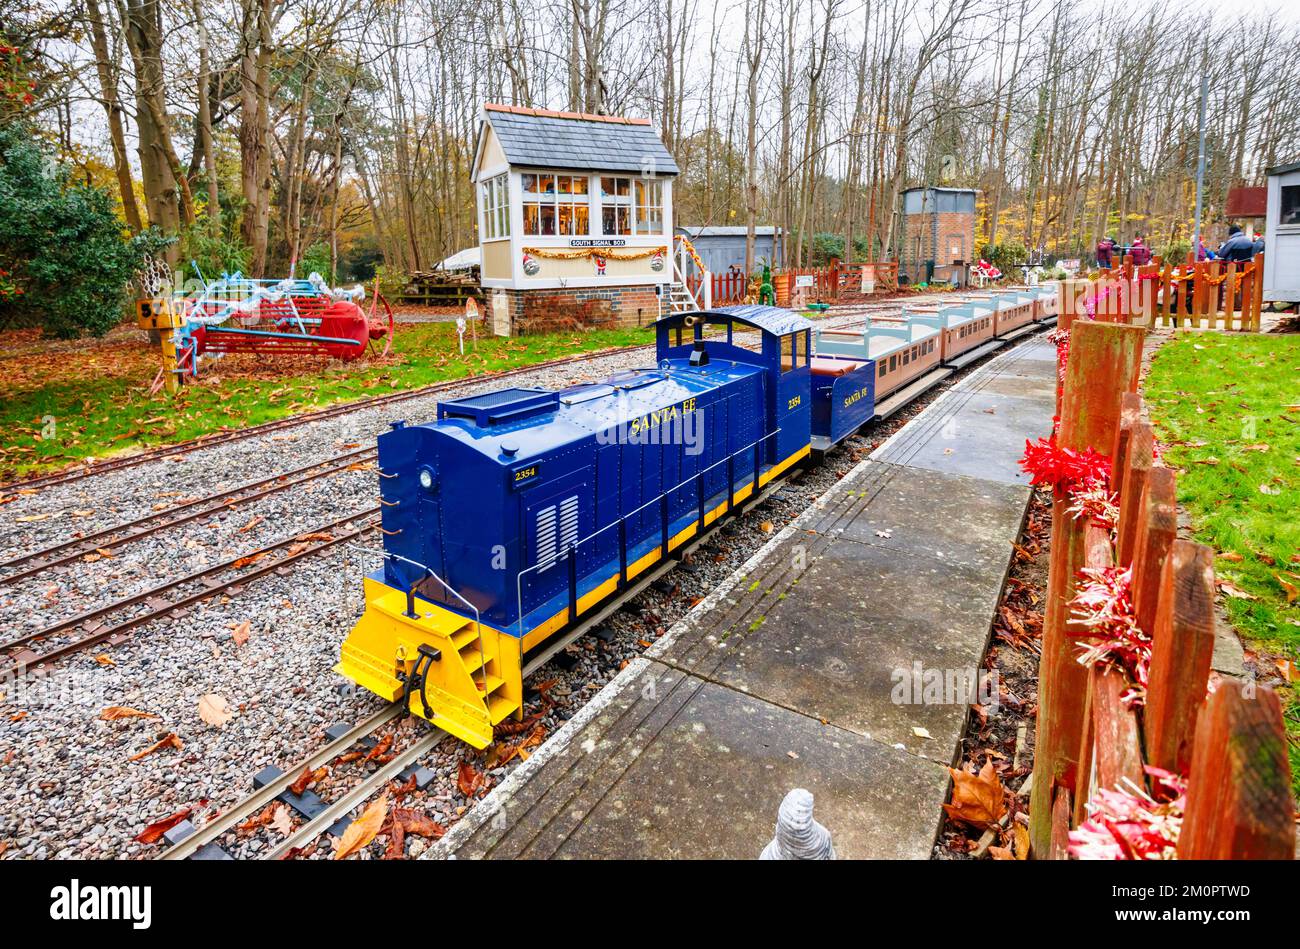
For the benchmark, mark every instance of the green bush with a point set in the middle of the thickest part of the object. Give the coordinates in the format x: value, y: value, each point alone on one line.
x: 61, y: 242
x: 1006, y: 257
x: 316, y: 259
x: 214, y: 254
x: 1177, y: 251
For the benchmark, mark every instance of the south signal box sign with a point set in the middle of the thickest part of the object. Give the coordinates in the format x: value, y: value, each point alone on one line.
x: 584, y: 242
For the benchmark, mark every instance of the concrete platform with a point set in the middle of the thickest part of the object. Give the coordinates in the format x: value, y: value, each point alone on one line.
x: 790, y: 674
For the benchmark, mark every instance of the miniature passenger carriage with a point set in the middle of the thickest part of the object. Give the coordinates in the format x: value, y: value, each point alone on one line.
x: 518, y: 512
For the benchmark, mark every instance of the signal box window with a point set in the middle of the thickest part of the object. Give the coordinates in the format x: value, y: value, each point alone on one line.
x: 555, y: 205
x: 616, y: 206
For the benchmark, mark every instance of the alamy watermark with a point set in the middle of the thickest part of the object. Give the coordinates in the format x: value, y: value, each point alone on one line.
x: 679, y: 424
x: 921, y: 685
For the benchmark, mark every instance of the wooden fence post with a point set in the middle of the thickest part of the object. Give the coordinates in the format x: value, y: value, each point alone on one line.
x: 1133, y: 488
x: 1097, y: 553
x: 1118, y: 741
x: 1130, y: 415
x: 1104, y: 363
x: 1239, y: 804
x: 1256, y: 294
x: 1182, y: 648
x: 1157, y: 527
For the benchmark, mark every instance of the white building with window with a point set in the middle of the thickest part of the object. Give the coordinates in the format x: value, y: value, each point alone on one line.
x: 1282, y: 235
x: 575, y: 218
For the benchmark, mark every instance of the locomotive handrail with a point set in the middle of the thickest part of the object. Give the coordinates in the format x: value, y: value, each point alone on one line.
x: 410, y: 604
x: 621, y: 524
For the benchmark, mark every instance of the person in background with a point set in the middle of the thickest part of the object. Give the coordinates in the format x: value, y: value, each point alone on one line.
x: 1237, y: 247
x: 1258, y: 246
x: 1204, y: 253
x: 1105, y: 252
x: 1140, y: 252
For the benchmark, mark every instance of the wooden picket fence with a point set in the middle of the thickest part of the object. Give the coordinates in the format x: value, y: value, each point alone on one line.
x: 1231, y: 746
x: 728, y: 288
x: 1202, y: 294
x: 829, y: 283
x: 826, y: 281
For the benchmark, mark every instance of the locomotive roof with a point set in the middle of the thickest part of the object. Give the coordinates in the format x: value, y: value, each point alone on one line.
x: 769, y: 319
x: 584, y: 410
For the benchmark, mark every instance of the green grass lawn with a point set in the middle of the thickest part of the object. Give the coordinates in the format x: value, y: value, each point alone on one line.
x: 1228, y: 408
x: 107, y: 409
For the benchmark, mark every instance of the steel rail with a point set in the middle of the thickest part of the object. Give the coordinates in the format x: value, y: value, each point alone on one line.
x: 100, y: 633
x: 317, y: 825
x: 254, y: 802
x: 114, y: 537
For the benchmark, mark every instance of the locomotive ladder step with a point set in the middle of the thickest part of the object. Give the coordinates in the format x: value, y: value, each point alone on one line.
x: 500, y: 707
x: 463, y: 637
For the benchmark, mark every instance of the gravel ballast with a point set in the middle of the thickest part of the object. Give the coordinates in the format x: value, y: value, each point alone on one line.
x: 67, y: 785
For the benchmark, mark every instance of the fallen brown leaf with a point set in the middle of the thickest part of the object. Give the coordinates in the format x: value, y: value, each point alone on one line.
x: 977, y: 800
x: 1291, y: 591
x: 281, y: 822
x: 170, y: 740
x: 214, y: 710
x: 121, y: 711
x: 153, y: 833
x: 421, y: 825
x: 364, y: 829
x: 469, y: 779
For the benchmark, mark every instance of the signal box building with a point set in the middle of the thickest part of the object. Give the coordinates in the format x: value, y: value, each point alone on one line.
x: 575, y: 219
x: 938, y: 235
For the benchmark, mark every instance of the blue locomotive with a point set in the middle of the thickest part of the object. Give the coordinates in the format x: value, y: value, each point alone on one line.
x: 518, y: 511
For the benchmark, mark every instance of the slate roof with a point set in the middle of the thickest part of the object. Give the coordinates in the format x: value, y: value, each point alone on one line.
x: 545, y: 139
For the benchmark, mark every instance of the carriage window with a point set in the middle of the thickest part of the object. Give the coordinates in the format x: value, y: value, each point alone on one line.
x: 893, y: 363
x: 906, y: 357
x: 882, y: 370
x: 787, y: 352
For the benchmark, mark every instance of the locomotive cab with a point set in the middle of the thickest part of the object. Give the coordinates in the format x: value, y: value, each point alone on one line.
x: 781, y: 345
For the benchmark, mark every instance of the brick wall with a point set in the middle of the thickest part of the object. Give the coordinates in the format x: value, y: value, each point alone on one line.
x: 951, y: 228
x: 552, y: 310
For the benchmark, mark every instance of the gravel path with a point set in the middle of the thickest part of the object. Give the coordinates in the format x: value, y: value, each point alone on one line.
x: 67, y: 784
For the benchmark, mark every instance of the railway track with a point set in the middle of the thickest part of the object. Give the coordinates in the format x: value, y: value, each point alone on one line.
x: 313, y: 827
x: 372, y: 784
x: 113, y: 538
x: 121, y: 616
x: 318, y: 824
x: 122, y: 462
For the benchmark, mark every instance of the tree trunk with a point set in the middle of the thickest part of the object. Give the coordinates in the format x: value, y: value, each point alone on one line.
x: 113, y: 107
